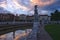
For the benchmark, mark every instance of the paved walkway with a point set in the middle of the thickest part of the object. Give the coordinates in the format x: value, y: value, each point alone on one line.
x: 43, y: 35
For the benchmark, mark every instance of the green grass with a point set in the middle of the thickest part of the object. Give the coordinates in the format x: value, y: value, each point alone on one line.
x: 53, y: 30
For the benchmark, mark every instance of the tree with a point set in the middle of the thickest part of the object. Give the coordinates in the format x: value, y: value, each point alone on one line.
x: 55, y: 16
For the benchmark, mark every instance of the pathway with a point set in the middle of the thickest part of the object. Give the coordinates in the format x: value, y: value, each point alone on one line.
x: 43, y: 35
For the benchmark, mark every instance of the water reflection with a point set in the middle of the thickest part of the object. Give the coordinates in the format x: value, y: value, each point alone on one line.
x: 19, y: 35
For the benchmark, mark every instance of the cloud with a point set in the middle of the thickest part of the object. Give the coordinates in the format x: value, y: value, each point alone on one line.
x: 17, y: 5
x: 54, y: 6
x: 3, y: 3
x: 42, y: 3
x: 27, y: 6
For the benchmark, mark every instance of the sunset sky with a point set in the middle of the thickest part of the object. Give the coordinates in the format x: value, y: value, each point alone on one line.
x: 27, y: 6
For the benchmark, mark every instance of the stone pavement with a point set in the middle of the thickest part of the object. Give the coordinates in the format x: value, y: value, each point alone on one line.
x: 43, y: 35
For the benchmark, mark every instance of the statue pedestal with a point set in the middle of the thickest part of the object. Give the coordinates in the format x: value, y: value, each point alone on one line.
x: 33, y: 34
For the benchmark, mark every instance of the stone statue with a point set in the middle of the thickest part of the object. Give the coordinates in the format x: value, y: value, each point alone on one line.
x: 33, y: 34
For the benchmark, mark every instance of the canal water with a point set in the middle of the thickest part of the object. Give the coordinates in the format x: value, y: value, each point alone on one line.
x: 19, y: 35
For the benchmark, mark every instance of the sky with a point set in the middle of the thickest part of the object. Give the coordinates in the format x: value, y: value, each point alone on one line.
x: 27, y: 6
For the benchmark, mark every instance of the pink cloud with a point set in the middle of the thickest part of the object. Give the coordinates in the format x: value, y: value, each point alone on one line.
x: 3, y: 4
x: 42, y: 3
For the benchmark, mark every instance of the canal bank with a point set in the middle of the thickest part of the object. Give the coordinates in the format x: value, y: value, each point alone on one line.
x: 10, y: 28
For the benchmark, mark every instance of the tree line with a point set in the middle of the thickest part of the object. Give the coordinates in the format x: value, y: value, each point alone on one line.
x: 55, y: 16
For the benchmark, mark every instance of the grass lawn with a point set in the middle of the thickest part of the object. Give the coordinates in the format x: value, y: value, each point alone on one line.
x: 53, y: 30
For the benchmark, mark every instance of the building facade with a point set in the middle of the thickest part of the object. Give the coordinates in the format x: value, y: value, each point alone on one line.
x: 22, y: 17
x: 41, y: 18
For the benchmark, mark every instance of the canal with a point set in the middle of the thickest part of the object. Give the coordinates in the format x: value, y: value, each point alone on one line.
x: 14, y: 32
x: 19, y: 35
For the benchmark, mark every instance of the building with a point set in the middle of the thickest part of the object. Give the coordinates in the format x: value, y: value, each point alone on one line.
x: 22, y: 17
x: 30, y: 18
x: 6, y: 17
x: 44, y: 18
